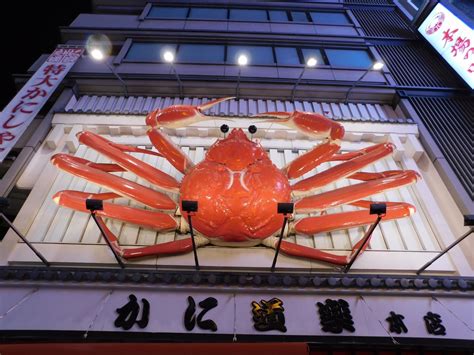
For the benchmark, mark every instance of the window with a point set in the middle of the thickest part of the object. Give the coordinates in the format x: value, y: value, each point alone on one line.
x: 208, y: 13
x: 277, y: 15
x: 313, y: 52
x: 330, y: 18
x: 168, y: 12
x: 299, y: 16
x: 248, y: 15
x: 349, y: 58
x: 200, y: 53
x: 148, y: 52
x: 287, y: 56
x: 256, y: 55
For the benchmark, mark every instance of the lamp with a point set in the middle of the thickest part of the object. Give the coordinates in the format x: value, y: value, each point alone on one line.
x: 168, y: 56
x: 468, y: 222
x: 99, y: 47
x: 376, y: 66
x: 286, y: 209
x: 380, y: 209
x: 189, y: 207
x: 242, y: 60
x: 4, y: 203
x: 95, y: 205
x: 310, y: 63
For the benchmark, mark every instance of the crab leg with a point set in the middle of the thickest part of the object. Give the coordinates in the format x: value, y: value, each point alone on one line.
x: 127, y: 162
x: 169, y: 248
x: 176, y: 117
x: 119, y: 185
x: 356, y: 192
x: 357, y: 161
x: 152, y: 219
x: 335, y: 221
x: 313, y: 125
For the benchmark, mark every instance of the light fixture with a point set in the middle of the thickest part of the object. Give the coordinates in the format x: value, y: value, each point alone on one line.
x: 378, y: 65
x: 310, y: 63
x: 191, y: 207
x: 242, y: 61
x: 168, y: 56
x: 97, y: 54
x: 99, y: 48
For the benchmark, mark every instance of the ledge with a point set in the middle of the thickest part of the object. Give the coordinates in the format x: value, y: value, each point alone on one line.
x: 287, y: 281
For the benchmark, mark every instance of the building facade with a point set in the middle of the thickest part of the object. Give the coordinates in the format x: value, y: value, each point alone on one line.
x: 416, y: 102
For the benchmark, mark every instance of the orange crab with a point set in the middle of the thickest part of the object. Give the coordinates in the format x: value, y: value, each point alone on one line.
x: 236, y: 186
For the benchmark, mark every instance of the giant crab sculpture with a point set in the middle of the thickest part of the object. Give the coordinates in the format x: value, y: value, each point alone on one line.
x: 236, y: 185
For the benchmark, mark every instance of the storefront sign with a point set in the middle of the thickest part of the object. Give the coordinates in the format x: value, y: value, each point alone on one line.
x: 453, y: 39
x: 19, y: 113
x: 220, y: 312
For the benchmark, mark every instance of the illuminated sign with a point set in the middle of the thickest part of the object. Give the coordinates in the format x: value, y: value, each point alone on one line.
x: 24, y: 107
x: 453, y: 39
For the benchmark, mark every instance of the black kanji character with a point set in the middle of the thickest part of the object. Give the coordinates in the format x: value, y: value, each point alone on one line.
x: 335, y: 316
x: 190, y: 319
x: 268, y: 315
x: 128, y: 314
x: 433, y: 324
x: 396, y: 323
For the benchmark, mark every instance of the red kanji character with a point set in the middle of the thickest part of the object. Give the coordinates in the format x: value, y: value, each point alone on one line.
x: 33, y: 93
x: 46, y: 80
x: 21, y: 106
x: 7, y: 125
x: 54, y: 69
x: 6, y: 136
x: 460, y: 45
x: 448, y: 36
x: 471, y: 68
x: 468, y: 52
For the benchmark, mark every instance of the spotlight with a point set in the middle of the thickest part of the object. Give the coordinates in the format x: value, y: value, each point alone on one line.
x: 311, y: 62
x: 285, y: 207
x: 94, y: 205
x: 252, y: 129
x: 168, y: 56
x: 378, y: 208
x: 242, y: 60
x: 189, y: 206
x: 378, y: 66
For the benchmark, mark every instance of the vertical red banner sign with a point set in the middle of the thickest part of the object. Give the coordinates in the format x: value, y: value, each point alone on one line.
x: 24, y: 107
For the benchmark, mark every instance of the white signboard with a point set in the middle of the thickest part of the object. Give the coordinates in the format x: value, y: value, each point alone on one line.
x: 453, y: 39
x: 246, y: 313
x: 19, y: 113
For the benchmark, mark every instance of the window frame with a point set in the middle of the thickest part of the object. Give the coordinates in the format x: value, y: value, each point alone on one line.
x: 122, y: 57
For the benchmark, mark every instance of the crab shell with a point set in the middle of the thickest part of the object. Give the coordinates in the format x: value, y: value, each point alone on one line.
x: 237, y: 188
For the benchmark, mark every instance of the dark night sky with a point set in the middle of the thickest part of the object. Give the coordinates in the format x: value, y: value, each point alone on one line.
x: 29, y: 29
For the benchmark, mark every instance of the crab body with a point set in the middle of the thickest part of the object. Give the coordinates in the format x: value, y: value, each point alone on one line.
x: 237, y: 186
x: 233, y: 184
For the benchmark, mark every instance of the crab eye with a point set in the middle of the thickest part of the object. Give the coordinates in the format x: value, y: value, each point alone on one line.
x: 224, y: 128
x: 252, y: 129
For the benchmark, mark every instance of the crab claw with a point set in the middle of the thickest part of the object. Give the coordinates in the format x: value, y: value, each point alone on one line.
x: 312, y: 124
x: 178, y: 116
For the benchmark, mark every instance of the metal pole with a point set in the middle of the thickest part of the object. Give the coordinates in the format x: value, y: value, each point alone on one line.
x: 354, y: 85
x: 119, y: 78
x: 279, y: 243
x: 196, y: 262
x: 448, y: 248
x: 237, y: 90
x: 297, y: 82
x: 38, y: 254
x: 366, y: 239
x: 122, y: 265
x: 180, y: 84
